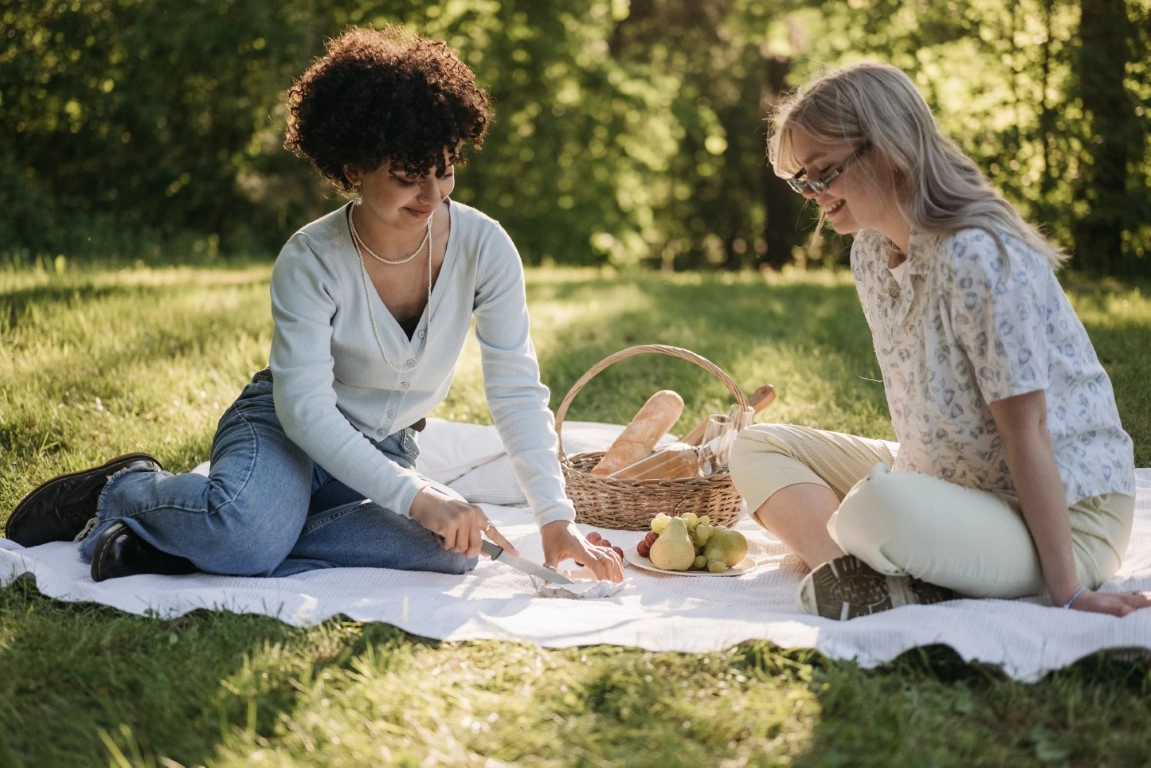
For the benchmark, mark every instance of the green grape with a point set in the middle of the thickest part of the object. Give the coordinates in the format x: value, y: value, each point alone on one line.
x: 701, y: 563
x: 716, y: 566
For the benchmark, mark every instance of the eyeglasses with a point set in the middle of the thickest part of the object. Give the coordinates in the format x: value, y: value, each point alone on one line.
x: 816, y: 186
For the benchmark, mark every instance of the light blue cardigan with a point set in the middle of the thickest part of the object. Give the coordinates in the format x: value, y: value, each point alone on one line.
x: 332, y: 388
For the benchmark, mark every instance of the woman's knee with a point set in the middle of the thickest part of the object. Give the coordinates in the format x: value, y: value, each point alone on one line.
x: 762, y: 461
x: 250, y: 541
x: 972, y: 541
x: 886, y: 516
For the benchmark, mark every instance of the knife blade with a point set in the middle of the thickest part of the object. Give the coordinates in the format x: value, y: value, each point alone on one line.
x: 496, y: 552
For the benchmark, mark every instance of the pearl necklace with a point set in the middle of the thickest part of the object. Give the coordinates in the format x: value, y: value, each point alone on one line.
x: 368, y: 299
x: 360, y: 244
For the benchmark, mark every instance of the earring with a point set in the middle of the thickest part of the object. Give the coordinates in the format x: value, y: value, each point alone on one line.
x: 354, y: 182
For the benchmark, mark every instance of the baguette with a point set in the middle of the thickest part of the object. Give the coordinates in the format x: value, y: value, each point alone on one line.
x: 638, y: 439
x: 675, y: 462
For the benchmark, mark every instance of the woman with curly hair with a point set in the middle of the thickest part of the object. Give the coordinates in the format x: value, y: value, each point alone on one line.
x: 314, y: 465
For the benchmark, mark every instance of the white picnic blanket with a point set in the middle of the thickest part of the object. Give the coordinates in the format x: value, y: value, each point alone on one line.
x: 1025, y: 638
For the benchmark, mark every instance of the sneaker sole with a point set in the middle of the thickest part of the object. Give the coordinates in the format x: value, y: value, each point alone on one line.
x: 846, y: 587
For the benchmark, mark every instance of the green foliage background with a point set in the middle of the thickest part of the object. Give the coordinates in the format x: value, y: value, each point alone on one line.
x: 626, y: 132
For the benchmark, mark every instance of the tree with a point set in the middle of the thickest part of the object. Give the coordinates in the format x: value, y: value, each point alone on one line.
x: 724, y: 207
x: 625, y: 132
x: 138, y: 114
x: 1115, y: 141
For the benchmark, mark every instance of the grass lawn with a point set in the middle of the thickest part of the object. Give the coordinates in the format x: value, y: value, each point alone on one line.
x: 95, y: 362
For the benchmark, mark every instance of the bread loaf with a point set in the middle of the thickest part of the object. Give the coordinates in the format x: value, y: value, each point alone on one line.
x: 675, y: 462
x: 639, y: 437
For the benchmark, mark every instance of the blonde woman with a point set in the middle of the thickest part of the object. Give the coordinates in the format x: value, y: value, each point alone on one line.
x: 1012, y: 474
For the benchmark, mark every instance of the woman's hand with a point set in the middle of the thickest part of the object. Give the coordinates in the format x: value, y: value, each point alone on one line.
x: 1113, y: 603
x: 562, y: 540
x: 461, y: 526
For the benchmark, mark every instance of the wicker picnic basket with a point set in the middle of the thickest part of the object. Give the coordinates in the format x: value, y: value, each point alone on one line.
x: 609, y: 502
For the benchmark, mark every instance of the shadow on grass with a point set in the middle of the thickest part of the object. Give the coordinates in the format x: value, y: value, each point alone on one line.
x: 17, y: 302
x: 930, y: 707
x: 75, y: 674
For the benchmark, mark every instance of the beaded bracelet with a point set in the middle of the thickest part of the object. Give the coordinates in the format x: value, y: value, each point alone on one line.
x: 1075, y: 597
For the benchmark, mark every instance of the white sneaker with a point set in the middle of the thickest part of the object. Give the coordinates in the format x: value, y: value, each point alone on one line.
x: 847, y: 587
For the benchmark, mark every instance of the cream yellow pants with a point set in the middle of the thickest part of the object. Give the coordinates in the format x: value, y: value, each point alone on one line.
x: 974, y: 542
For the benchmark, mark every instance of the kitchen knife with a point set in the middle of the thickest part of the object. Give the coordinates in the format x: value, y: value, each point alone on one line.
x: 496, y: 552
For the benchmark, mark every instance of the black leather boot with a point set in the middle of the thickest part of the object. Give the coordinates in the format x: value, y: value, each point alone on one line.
x: 120, y: 552
x: 59, y: 509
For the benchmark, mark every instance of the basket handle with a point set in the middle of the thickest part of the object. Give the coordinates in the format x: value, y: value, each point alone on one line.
x: 662, y: 349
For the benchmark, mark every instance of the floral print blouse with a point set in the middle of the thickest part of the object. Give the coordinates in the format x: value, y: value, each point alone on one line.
x: 969, y: 326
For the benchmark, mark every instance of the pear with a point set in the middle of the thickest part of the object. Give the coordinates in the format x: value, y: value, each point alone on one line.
x: 673, y: 550
x: 725, y: 545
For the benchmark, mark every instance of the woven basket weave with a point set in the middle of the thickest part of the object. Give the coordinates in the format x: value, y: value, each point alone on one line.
x: 609, y: 502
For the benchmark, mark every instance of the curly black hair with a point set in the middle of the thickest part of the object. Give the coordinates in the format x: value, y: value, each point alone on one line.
x: 385, y: 95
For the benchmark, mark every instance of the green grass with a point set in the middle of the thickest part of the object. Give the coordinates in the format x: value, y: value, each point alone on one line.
x: 96, y: 362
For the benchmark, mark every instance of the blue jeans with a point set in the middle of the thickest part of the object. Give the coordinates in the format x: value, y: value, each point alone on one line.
x: 266, y: 509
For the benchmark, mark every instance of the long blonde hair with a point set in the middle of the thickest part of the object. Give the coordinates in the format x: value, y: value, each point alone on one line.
x: 940, y: 190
